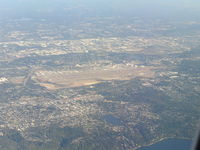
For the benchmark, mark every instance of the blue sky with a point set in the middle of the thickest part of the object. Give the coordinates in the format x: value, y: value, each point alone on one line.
x: 103, y: 7
x: 98, y: 3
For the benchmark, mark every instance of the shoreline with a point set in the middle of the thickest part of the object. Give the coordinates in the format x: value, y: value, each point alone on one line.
x: 162, y: 139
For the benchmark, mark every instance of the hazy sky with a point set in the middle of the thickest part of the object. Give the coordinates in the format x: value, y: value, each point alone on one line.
x: 27, y: 8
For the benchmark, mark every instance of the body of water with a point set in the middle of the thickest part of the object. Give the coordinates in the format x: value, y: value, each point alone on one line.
x: 169, y: 144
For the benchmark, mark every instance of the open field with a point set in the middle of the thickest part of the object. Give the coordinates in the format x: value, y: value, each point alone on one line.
x: 64, y: 79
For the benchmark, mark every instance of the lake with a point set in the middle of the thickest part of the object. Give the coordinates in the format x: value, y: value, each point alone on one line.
x: 169, y: 144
